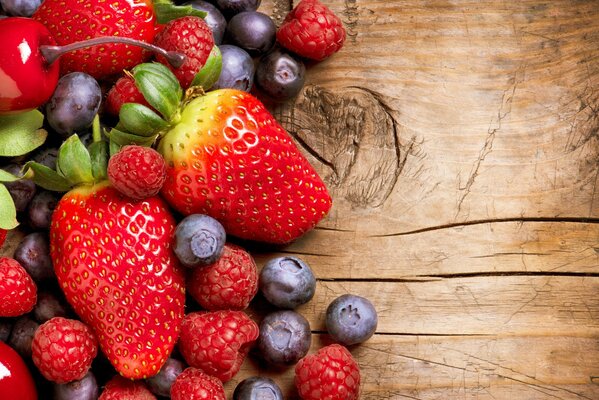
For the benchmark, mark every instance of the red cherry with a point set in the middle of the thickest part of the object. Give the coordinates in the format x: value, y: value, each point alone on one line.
x: 15, y: 380
x: 26, y: 80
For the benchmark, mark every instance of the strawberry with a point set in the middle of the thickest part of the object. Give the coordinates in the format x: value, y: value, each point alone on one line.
x: 75, y: 20
x: 119, y: 388
x: 191, y: 36
x: 312, y: 30
x: 2, y: 237
x: 217, y: 342
x: 136, y: 171
x: 63, y: 349
x: 230, y: 159
x: 230, y: 283
x: 114, y: 261
x: 123, y: 91
x: 18, y: 292
x: 331, y: 373
x: 193, y: 384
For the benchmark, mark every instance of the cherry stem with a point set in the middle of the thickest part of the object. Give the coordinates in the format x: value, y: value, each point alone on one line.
x: 51, y: 53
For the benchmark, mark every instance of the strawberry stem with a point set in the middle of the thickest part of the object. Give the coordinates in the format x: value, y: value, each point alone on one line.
x: 51, y: 53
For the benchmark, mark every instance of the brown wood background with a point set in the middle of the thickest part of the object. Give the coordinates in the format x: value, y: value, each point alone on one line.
x: 460, y: 141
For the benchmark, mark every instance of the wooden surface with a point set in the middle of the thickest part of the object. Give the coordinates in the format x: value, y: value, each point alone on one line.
x: 460, y: 142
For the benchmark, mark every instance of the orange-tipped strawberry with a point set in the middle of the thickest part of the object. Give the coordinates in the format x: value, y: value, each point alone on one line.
x: 227, y: 157
x: 113, y: 260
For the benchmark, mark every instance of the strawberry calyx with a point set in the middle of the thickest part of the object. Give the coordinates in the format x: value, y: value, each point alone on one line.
x: 166, y: 11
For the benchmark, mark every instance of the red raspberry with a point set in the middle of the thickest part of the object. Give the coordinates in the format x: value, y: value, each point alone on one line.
x: 191, y: 36
x: 123, y: 91
x: 119, y: 388
x: 331, y: 373
x: 193, y: 384
x: 63, y: 349
x: 136, y: 171
x: 217, y: 342
x: 228, y: 284
x: 312, y: 30
x: 18, y: 293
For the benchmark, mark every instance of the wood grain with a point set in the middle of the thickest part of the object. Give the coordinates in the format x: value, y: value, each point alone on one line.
x: 460, y: 141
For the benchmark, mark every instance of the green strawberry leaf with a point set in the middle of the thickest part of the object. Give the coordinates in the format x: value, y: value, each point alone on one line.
x: 74, y: 161
x: 167, y: 11
x: 124, y: 138
x: 210, y: 72
x: 7, y: 177
x: 21, y: 133
x: 159, y: 87
x: 140, y: 120
x: 8, y: 212
x: 98, y: 152
x: 46, y: 177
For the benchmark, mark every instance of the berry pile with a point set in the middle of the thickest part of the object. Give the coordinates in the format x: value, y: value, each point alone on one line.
x: 136, y: 153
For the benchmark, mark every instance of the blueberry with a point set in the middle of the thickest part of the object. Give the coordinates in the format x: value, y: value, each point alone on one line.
x: 280, y: 75
x: 253, y: 31
x: 41, y: 208
x: 20, y: 8
x: 287, y: 282
x: 22, y: 335
x: 33, y: 253
x: 47, y: 156
x: 285, y: 338
x: 84, y: 389
x: 215, y: 19
x: 231, y: 7
x: 47, y: 307
x: 5, y: 328
x: 74, y: 104
x: 21, y: 191
x: 351, y: 319
x: 199, y: 240
x: 257, y: 388
x: 237, y: 71
x: 161, y: 383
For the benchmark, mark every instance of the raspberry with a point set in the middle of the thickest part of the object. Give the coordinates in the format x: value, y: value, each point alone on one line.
x: 137, y: 172
x: 18, y: 293
x: 331, y: 373
x: 312, y: 30
x: 119, y: 388
x: 63, y: 349
x: 123, y: 91
x: 193, y: 384
x: 228, y: 284
x: 217, y: 342
x: 191, y: 36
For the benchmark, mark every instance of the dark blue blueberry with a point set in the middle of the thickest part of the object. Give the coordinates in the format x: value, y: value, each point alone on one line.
x: 33, y: 253
x: 47, y: 156
x: 215, y: 19
x: 5, y: 328
x: 161, y: 383
x: 48, y: 306
x: 257, y: 388
x: 280, y: 76
x: 199, y: 240
x: 285, y: 338
x: 21, y: 191
x: 41, y: 208
x: 287, y: 282
x: 351, y: 319
x: 253, y: 31
x: 237, y: 71
x: 74, y: 104
x: 22, y: 335
x: 20, y: 8
x: 84, y: 389
x: 231, y: 7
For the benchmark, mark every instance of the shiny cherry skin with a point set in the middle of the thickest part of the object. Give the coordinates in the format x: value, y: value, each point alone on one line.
x: 15, y: 380
x: 26, y: 79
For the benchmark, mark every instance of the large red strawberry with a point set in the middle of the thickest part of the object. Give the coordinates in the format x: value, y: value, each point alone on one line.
x: 2, y: 237
x: 226, y: 157
x: 229, y: 158
x: 113, y: 260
